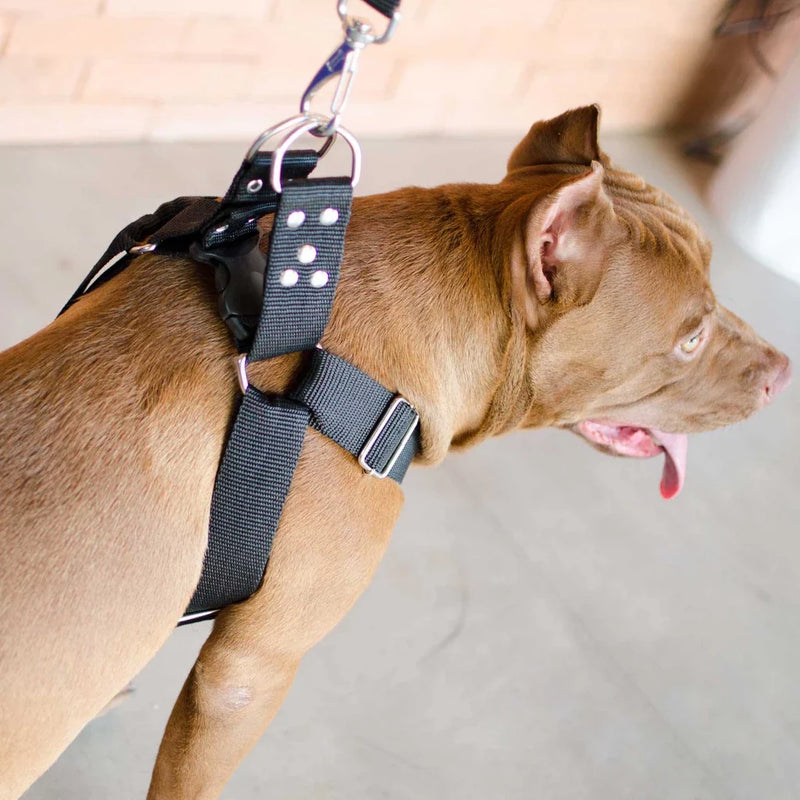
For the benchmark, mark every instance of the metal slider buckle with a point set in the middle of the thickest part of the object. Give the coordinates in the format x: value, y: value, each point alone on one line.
x: 378, y: 430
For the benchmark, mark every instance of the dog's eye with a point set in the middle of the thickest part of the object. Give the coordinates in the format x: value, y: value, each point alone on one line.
x: 691, y: 344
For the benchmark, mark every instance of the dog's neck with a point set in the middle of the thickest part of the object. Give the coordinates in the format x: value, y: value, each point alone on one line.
x: 424, y: 307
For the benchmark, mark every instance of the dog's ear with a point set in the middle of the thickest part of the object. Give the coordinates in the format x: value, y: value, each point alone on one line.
x: 565, y: 246
x: 568, y: 139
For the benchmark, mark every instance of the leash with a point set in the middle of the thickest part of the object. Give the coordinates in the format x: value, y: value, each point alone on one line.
x: 273, y: 305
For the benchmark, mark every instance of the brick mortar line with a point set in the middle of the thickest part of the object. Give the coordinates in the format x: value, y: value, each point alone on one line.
x: 80, y: 85
x: 170, y: 58
x: 12, y: 20
x: 395, y: 77
x: 526, y: 76
x: 183, y: 36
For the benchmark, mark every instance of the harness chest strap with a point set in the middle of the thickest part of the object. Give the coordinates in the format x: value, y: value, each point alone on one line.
x: 302, y: 273
x: 335, y: 398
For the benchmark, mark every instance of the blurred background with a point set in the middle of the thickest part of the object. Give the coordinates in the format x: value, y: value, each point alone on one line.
x: 175, y: 70
x: 543, y: 625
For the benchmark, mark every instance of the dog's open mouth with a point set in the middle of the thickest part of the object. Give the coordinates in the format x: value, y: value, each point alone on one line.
x: 629, y: 440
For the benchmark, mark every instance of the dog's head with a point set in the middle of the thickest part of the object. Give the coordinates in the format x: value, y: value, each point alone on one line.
x: 626, y: 342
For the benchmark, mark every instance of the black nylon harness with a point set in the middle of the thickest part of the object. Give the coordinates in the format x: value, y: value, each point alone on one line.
x: 272, y: 305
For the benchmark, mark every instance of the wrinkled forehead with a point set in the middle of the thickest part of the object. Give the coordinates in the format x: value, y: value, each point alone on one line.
x: 664, y: 265
x: 656, y: 223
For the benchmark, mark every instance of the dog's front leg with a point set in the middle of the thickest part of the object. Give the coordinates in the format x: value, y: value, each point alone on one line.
x: 229, y: 698
x: 326, y: 551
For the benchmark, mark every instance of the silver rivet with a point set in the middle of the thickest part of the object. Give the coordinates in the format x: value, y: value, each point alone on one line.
x: 255, y: 185
x: 295, y: 219
x: 319, y: 279
x: 221, y: 229
x: 306, y: 254
x: 252, y: 219
x: 289, y: 278
x: 328, y: 216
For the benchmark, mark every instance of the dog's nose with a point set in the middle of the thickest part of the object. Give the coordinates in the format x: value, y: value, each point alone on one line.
x: 779, y: 378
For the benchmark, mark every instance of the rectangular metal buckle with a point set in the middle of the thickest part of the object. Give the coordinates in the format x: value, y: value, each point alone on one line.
x: 375, y: 435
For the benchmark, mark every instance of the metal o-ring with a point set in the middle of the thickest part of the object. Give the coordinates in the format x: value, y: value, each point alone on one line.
x: 265, y: 136
x: 309, y: 126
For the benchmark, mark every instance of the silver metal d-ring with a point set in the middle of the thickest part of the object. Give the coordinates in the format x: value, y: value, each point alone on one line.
x: 321, y: 120
x: 311, y: 125
x: 241, y: 372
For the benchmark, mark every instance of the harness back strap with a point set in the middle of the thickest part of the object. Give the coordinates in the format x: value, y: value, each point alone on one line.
x: 173, y: 226
x: 178, y: 218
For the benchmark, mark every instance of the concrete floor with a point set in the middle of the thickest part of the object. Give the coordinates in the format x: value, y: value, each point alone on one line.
x: 544, y: 626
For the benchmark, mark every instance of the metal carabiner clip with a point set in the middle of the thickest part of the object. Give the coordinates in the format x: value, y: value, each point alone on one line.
x: 342, y: 64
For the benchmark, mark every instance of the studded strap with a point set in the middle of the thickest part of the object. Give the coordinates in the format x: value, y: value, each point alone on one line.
x: 305, y: 256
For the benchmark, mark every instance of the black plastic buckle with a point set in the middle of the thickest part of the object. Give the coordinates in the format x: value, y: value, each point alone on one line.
x: 239, y: 280
x: 229, y: 241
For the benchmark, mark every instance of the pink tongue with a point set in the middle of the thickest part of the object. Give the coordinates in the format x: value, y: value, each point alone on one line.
x: 675, y: 447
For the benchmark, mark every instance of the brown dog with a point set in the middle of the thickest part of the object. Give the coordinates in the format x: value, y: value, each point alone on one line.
x: 572, y: 294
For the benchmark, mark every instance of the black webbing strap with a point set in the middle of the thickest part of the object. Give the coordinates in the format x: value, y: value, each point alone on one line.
x: 385, y: 7
x: 305, y: 256
x: 175, y: 225
x: 335, y: 398
x: 230, y: 241
x: 180, y: 218
x: 250, y: 196
x: 252, y: 483
x: 350, y: 407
